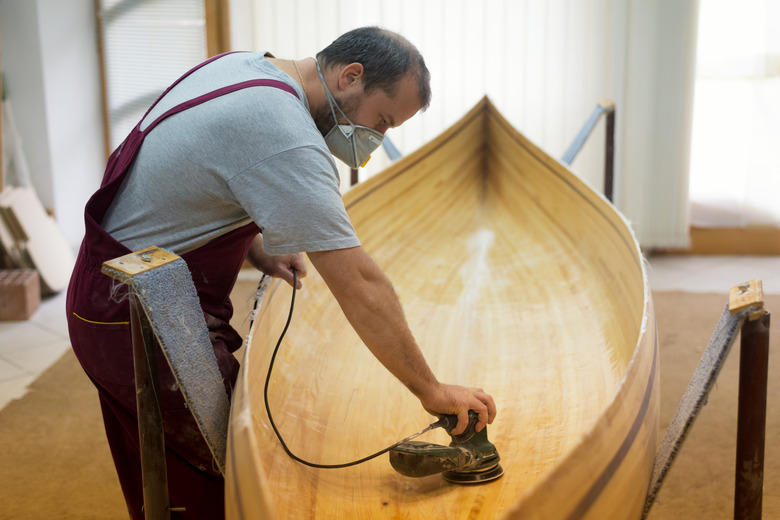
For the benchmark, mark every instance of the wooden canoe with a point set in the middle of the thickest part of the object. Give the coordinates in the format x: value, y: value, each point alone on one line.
x: 515, y: 276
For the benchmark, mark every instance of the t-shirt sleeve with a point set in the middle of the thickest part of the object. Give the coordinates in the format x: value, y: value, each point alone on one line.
x: 294, y: 198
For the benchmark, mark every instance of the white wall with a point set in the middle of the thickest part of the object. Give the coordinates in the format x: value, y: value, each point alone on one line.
x: 545, y: 65
x: 24, y: 88
x: 50, y: 62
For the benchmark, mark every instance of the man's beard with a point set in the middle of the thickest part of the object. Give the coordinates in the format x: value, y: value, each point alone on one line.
x: 323, y: 116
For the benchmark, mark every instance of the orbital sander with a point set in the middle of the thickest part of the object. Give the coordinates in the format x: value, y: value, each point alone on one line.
x: 469, y: 459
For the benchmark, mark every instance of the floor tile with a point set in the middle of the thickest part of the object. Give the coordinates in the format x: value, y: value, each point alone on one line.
x: 24, y: 334
x: 712, y: 273
x: 10, y: 370
x: 51, y: 315
x: 34, y: 360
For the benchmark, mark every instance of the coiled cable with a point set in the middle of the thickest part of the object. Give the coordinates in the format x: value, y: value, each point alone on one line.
x: 440, y: 423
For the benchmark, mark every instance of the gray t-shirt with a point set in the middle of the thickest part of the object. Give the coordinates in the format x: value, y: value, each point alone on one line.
x: 254, y: 154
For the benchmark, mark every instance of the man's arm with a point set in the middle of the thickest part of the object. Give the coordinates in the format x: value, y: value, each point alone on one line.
x: 371, y: 305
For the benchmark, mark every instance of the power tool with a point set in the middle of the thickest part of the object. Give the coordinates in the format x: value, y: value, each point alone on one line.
x: 469, y: 459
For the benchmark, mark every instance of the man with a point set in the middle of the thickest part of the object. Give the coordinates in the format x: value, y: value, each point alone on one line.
x: 234, y: 162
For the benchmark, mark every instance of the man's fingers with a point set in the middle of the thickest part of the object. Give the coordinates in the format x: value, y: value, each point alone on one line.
x: 458, y: 400
x: 490, y: 407
x: 486, y: 409
x: 299, y: 265
x: 293, y: 263
x: 463, y: 422
x: 483, y: 416
x: 483, y: 420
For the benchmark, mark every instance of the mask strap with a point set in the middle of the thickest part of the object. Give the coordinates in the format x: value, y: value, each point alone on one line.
x: 331, y: 100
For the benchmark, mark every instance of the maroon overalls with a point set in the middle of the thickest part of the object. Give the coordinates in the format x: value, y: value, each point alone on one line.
x: 98, y: 323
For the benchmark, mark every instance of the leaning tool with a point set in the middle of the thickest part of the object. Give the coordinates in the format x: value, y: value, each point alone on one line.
x: 469, y: 459
x: 165, y: 311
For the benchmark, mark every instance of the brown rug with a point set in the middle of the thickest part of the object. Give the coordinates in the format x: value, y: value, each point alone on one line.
x: 55, y: 461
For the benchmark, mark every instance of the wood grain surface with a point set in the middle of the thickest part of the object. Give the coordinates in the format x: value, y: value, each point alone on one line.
x: 515, y: 276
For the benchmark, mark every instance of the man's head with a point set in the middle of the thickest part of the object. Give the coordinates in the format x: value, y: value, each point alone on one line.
x: 386, y: 57
x: 372, y: 80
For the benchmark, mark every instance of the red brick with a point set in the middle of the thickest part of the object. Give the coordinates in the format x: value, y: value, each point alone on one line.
x: 20, y: 294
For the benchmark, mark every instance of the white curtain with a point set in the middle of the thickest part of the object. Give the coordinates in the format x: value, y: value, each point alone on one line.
x: 735, y: 174
x: 655, y: 135
x: 545, y: 65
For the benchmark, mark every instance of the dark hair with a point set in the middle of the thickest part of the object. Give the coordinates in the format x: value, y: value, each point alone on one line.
x: 386, y: 58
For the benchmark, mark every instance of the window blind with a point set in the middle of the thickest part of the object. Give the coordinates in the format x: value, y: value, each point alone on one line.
x: 146, y: 46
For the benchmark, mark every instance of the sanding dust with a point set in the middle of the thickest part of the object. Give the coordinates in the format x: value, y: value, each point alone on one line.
x: 476, y: 269
x: 476, y: 275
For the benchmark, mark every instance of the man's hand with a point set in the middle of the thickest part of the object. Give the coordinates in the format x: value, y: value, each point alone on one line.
x: 278, y: 266
x: 458, y: 400
x: 281, y: 266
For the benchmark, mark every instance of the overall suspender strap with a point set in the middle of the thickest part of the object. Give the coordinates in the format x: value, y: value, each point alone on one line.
x: 123, y: 156
x: 221, y: 92
x: 193, y: 69
x: 216, y: 93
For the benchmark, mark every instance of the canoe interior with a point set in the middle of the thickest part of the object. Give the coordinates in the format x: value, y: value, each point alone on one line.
x: 514, y: 276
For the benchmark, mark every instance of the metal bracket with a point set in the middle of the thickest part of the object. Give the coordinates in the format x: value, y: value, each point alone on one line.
x: 607, y: 107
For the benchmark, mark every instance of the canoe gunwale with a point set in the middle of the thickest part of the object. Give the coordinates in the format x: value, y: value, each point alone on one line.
x: 241, y: 433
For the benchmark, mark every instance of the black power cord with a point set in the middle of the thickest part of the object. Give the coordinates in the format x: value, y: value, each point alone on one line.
x: 440, y: 423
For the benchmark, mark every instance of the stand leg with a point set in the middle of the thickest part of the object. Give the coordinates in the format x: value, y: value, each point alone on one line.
x: 751, y: 419
x: 150, y: 428
x: 609, y: 157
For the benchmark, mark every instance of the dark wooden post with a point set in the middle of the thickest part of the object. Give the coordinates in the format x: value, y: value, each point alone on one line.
x: 609, y: 159
x: 748, y: 298
x: 751, y: 418
x: 151, y: 435
x: 604, y: 107
x: 150, y: 426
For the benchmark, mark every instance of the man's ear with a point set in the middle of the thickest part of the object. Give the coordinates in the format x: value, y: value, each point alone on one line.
x: 351, y: 76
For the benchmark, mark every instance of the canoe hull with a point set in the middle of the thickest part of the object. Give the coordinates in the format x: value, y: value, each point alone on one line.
x: 515, y: 276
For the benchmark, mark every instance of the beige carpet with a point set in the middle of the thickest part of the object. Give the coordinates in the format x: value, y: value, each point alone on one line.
x: 55, y: 461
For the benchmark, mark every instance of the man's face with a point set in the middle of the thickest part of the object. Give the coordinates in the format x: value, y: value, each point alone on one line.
x: 323, y: 116
x: 376, y: 110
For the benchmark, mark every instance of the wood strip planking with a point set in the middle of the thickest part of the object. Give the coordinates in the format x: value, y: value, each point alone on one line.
x: 514, y: 276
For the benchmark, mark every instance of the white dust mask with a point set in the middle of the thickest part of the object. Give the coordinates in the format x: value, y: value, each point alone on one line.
x: 350, y: 143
